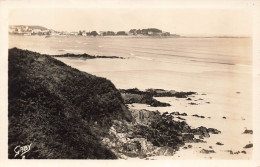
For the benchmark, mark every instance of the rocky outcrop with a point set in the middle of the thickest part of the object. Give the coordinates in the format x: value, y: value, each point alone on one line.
x: 177, y: 113
x: 248, y: 146
x: 248, y: 132
x: 150, y: 134
x: 204, y: 151
x: 196, y: 115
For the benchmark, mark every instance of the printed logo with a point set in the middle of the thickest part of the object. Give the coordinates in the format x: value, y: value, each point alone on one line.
x: 21, y: 150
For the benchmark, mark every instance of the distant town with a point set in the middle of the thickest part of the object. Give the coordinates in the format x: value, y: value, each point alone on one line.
x: 43, y: 31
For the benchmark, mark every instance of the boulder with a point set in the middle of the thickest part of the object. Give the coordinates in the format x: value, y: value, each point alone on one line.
x: 204, y: 151
x: 203, y: 131
x: 188, y: 137
x: 248, y: 132
x: 248, y: 146
x: 218, y: 143
x: 213, y: 131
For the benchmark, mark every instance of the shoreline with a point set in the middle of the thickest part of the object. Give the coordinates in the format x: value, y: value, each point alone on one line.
x: 136, y: 37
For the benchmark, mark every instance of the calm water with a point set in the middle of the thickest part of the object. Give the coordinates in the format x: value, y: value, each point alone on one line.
x: 219, y: 67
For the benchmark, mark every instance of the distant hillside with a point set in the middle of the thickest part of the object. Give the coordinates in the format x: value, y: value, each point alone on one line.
x: 29, y: 26
x: 60, y: 110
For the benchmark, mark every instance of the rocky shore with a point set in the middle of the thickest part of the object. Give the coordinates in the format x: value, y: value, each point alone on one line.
x: 152, y: 134
x: 146, y: 97
x: 86, y: 56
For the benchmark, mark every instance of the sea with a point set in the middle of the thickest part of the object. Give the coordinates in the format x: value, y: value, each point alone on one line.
x: 218, y: 69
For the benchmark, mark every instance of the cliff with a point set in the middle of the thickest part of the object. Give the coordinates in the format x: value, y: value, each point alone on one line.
x: 61, y: 111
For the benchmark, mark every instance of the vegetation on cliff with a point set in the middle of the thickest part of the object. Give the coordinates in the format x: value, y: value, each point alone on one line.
x: 61, y: 111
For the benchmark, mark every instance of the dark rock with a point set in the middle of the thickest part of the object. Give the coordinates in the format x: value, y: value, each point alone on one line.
x: 201, y: 137
x: 198, y: 141
x: 249, y: 146
x: 188, y: 99
x: 230, y: 151
x: 180, y: 118
x: 165, y: 113
x: 189, y: 146
x: 238, y: 152
x: 201, y: 131
x: 244, y: 152
x: 196, y: 115
x: 193, y: 103
x: 188, y: 137
x: 218, y: 143
x: 185, y: 148
x: 200, y: 99
x: 210, y: 147
x: 224, y: 117
x: 177, y: 113
x: 213, y: 131
x: 204, y: 151
x: 248, y: 132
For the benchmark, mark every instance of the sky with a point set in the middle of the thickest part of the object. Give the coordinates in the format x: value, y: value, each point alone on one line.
x: 233, y: 22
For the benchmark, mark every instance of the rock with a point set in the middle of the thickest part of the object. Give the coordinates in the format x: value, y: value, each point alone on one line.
x: 196, y: 115
x: 203, y: 94
x: 201, y: 137
x: 188, y: 137
x: 189, y: 146
x: 244, y: 152
x: 177, y: 113
x: 142, y: 156
x: 230, y: 151
x: 200, y: 99
x: 210, y: 147
x: 165, y: 151
x: 180, y: 118
x: 238, y: 152
x: 188, y: 99
x: 213, y: 131
x: 248, y: 132
x: 218, y: 143
x: 237, y: 92
x: 201, y: 131
x: 249, y: 146
x: 185, y: 148
x: 207, y: 102
x: 144, y: 116
x: 204, y: 151
x: 198, y: 141
x: 224, y: 117
x: 165, y: 113
x: 193, y: 103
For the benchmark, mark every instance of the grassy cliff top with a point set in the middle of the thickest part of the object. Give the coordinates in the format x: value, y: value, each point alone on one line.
x: 60, y: 110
